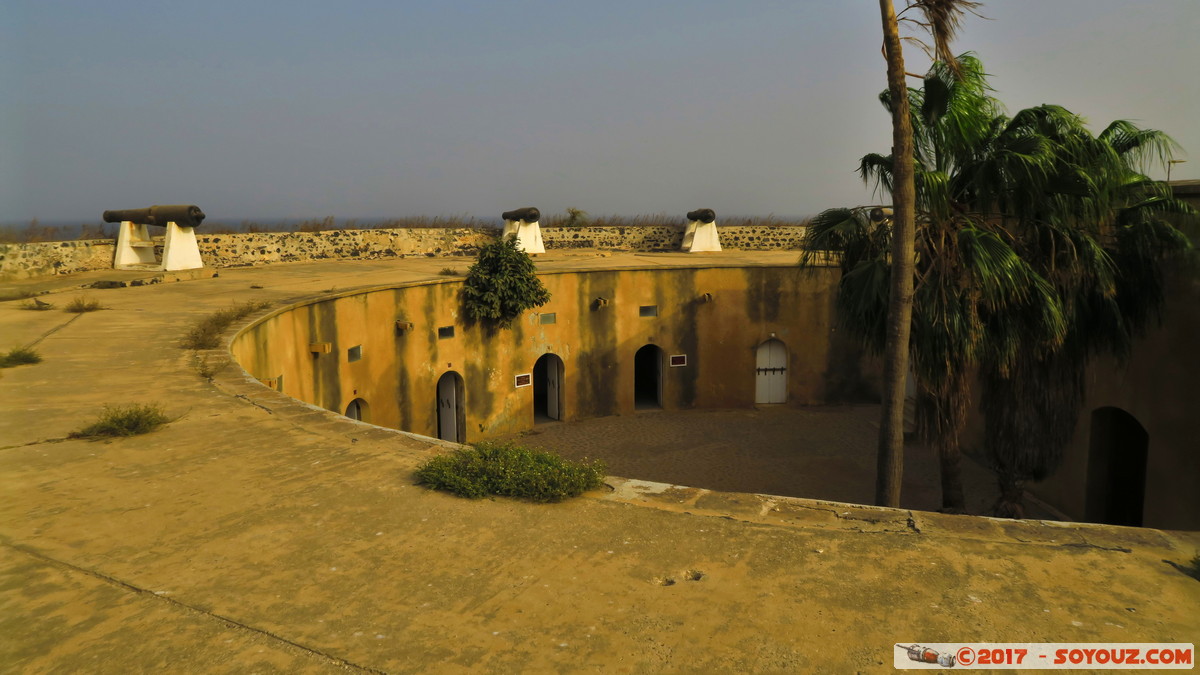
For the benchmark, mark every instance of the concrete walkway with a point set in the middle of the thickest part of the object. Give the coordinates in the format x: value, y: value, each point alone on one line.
x: 257, y: 534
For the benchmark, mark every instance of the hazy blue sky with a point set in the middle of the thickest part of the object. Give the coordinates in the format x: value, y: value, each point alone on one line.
x: 257, y: 109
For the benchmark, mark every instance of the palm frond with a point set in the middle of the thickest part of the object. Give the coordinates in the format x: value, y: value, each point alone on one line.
x: 863, y: 302
x: 878, y: 169
x: 943, y: 18
x: 1140, y: 146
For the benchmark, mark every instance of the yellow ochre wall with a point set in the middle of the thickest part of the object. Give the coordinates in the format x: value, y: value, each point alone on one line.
x: 398, y: 372
x: 1157, y: 387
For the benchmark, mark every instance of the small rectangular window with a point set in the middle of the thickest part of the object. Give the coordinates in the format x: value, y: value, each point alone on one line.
x: 549, y: 317
x: 354, y: 353
x: 524, y: 380
x: 678, y: 360
x: 445, y: 332
x: 648, y: 310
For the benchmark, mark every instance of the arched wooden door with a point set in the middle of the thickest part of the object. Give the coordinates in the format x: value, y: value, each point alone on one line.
x: 770, y: 373
x: 450, y: 415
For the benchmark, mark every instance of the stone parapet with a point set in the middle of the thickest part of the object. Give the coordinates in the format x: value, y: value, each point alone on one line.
x: 261, y: 248
x: 47, y: 258
x: 23, y: 261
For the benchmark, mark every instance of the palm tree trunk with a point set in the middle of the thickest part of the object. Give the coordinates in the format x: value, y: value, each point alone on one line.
x: 940, y: 420
x: 950, y: 461
x: 1010, y: 503
x: 890, y: 466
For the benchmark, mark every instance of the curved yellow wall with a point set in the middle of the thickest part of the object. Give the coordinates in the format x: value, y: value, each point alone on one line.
x: 399, y: 368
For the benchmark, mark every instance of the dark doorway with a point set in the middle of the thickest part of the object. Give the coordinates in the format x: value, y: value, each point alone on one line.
x: 358, y: 410
x: 1116, y: 478
x: 451, y: 417
x: 647, y: 378
x: 547, y: 388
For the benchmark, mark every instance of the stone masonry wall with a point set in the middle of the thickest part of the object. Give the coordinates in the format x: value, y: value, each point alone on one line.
x: 21, y: 261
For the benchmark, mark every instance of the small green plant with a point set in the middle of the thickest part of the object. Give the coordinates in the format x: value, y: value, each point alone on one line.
x: 208, y: 368
x: 1191, y: 569
x: 448, y: 272
x: 82, y: 304
x: 206, y: 333
x: 510, y: 470
x: 502, y: 283
x: 19, y: 356
x: 37, y: 305
x: 129, y: 420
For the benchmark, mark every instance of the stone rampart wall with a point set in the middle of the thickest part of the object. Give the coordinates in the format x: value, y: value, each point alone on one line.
x: 21, y: 261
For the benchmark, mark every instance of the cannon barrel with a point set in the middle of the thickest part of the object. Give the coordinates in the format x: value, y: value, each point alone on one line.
x: 526, y: 215
x: 702, y: 215
x: 183, y: 215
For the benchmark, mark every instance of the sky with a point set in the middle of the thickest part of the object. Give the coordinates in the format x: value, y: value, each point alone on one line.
x: 262, y: 109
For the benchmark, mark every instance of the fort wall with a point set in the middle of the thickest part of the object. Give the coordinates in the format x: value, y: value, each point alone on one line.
x: 23, y: 261
x: 333, y: 351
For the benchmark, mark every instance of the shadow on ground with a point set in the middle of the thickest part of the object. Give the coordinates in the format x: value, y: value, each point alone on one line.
x: 817, y: 452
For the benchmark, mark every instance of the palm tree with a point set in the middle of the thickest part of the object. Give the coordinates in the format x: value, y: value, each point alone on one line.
x: 1100, y: 233
x: 1014, y: 216
x: 941, y: 19
x: 890, y: 465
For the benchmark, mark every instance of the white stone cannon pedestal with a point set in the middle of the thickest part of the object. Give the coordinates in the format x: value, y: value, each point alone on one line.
x: 701, y: 232
x: 135, y: 246
x: 524, y: 224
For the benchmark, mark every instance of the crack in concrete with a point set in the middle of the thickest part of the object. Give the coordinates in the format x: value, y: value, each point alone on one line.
x: 910, y: 525
x: 1074, y: 544
x: 52, y: 331
x: 57, y: 439
x: 232, y: 623
x: 256, y: 404
x: 1087, y: 544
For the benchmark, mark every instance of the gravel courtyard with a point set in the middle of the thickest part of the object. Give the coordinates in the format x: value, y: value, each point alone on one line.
x: 818, y: 452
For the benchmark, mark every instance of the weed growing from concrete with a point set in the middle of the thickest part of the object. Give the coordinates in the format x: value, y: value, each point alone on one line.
x: 448, y: 272
x: 82, y: 304
x: 510, y: 470
x: 206, y: 333
x: 128, y: 420
x: 208, y: 368
x: 19, y: 356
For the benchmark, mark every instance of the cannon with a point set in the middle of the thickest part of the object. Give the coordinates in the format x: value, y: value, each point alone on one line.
x: 135, y: 246
x: 701, y: 232
x: 523, y: 223
x: 183, y: 215
x: 525, y: 215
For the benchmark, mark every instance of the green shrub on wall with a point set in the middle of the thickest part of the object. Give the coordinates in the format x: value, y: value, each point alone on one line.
x: 502, y: 283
